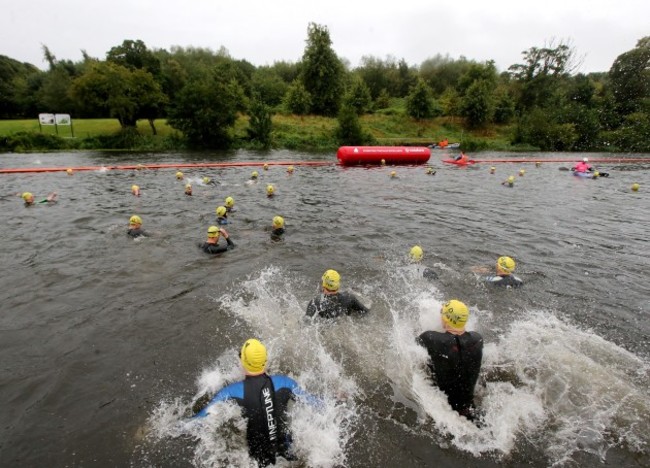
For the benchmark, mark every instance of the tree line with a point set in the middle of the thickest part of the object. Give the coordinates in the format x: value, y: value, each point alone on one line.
x: 202, y: 92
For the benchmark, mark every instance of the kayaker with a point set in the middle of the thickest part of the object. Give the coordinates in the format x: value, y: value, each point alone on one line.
x: 583, y: 166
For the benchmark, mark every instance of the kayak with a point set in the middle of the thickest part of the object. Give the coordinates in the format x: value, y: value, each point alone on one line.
x: 588, y: 175
x: 449, y: 146
x: 459, y: 163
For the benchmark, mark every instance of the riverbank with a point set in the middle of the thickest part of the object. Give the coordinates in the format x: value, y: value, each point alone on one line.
x: 306, y: 133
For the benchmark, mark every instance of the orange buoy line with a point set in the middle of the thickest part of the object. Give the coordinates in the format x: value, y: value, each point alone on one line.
x: 17, y: 170
x: 598, y: 160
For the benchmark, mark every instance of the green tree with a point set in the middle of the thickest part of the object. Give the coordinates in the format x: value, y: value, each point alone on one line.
x: 124, y: 94
x: 260, y: 124
x: 349, y: 131
x: 268, y: 86
x: 358, y: 96
x: 134, y: 55
x: 13, y: 86
x: 443, y: 72
x: 322, y: 72
x: 419, y: 103
x: 630, y: 78
x: 205, y: 110
x: 477, y: 105
x: 504, y: 106
x: 297, y: 100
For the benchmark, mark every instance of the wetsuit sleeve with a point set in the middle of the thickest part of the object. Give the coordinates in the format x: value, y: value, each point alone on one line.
x: 282, y: 381
x: 231, y: 244
x: 356, y: 305
x: 311, y: 308
x: 232, y: 391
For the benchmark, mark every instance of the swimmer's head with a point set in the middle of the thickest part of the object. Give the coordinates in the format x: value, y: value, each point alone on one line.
x: 254, y: 175
x: 635, y: 187
x: 135, y: 221
x: 331, y: 280
x: 416, y: 253
x: 493, y: 170
x: 505, y: 265
x: 69, y: 171
x: 135, y: 190
x: 430, y: 170
x: 383, y: 162
x: 265, y: 167
x: 278, y: 222
x: 393, y: 174
x: 253, y: 357
x: 290, y: 169
x: 179, y: 175
x: 454, y: 314
x: 538, y: 163
x: 522, y: 172
x: 221, y: 211
x: 230, y: 202
x: 213, y: 231
x: 28, y: 197
x: 206, y: 180
x: 596, y: 174
x: 269, y: 190
x: 188, y: 189
x: 511, y: 179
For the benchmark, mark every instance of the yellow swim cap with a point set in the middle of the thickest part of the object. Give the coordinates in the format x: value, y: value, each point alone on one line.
x: 254, y: 175
x: 522, y: 172
x: 206, y: 180
x: 69, y: 171
x: 455, y: 314
x: 331, y: 280
x: 416, y: 253
x: 393, y: 174
x: 596, y: 174
x: 635, y: 187
x: 270, y: 189
x: 278, y: 222
x: 253, y: 356
x: 179, y: 175
x: 511, y: 179
x: 221, y: 210
x: 135, y: 219
x: 506, y: 264
x: 383, y: 162
x: 213, y: 231
x: 26, y: 195
x: 290, y: 169
x: 230, y: 202
x: 188, y: 187
x: 266, y: 167
x: 135, y: 188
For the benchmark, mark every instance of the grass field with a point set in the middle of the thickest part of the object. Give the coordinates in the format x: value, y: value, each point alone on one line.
x: 82, y: 128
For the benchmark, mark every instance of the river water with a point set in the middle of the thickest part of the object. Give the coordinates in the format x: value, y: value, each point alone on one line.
x: 105, y: 341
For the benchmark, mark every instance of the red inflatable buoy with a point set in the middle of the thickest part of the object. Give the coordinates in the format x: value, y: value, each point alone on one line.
x: 372, y: 155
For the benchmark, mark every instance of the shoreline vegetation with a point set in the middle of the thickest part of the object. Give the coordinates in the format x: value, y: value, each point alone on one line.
x: 302, y: 133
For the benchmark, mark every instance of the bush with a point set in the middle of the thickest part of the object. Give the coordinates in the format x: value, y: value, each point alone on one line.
x: 28, y: 141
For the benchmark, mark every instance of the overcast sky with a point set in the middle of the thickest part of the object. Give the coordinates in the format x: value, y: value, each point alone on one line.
x: 263, y: 32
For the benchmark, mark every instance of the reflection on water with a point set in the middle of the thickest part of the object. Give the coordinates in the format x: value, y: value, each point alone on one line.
x: 106, y: 342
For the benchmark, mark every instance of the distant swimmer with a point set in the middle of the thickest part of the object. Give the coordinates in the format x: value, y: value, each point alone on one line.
x: 265, y: 167
x: 28, y: 198
x: 254, y: 175
x: 135, y: 227
x: 270, y: 191
x: 510, y: 181
x: 290, y: 170
x: 430, y: 171
x: 455, y: 357
x: 415, y: 256
x: 188, y: 190
x: 135, y: 190
x: 332, y: 303
x: 222, y: 215
x: 211, y: 245
x: 505, y: 268
x: 230, y: 204
x: 179, y: 175
x: 277, y: 228
x: 263, y: 399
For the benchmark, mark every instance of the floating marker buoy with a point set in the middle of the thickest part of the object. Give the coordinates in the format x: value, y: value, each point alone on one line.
x: 635, y: 187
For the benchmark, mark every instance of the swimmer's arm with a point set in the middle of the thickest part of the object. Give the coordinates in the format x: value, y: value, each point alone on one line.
x: 227, y: 393
x: 283, y: 381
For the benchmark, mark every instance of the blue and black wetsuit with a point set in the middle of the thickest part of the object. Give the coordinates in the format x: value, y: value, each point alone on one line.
x: 264, y: 401
x: 506, y: 280
x: 455, y: 364
x: 216, y: 248
x: 136, y: 233
x: 222, y: 220
x: 334, y: 305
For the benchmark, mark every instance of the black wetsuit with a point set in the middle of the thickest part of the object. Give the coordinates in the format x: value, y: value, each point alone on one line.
x: 276, y: 234
x: 264, y: 400
x: 505, y: 280
x: 216, y: 248
x: 455, y: 365
x: 334, y: 305
x: 428, y: 273
x: 136, y: 233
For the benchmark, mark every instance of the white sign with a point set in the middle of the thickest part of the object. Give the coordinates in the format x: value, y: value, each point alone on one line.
x: 62, y: 119
x: 46, y: 119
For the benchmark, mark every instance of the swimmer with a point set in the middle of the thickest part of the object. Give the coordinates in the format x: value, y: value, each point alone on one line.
x: 263, y: 399
x: 635, y: 187
x: 505, y: 268
x: 270, y: 191
x: 265, y: 167
x: 415, y: 256
x: 332, y: 303
x: 207, y: 181
x: 254, y: 175
x: 135, y: 190
x: 393, y: 175
x: 135, y: 227
x: 493, y: 170
x: 383, y: 162
x: 522, y: 172
x: 430, y: 171
x: 455, y: 357
x: 69, y: 171
x: 210, y: 246
x: 230, y: 204
x: 290, y: 170
x: 277, y: 228
x: 510, y: 181
x: 188, y: 190
x: 179, y: 175
x: 29, y: 199
x: 222, y: 215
